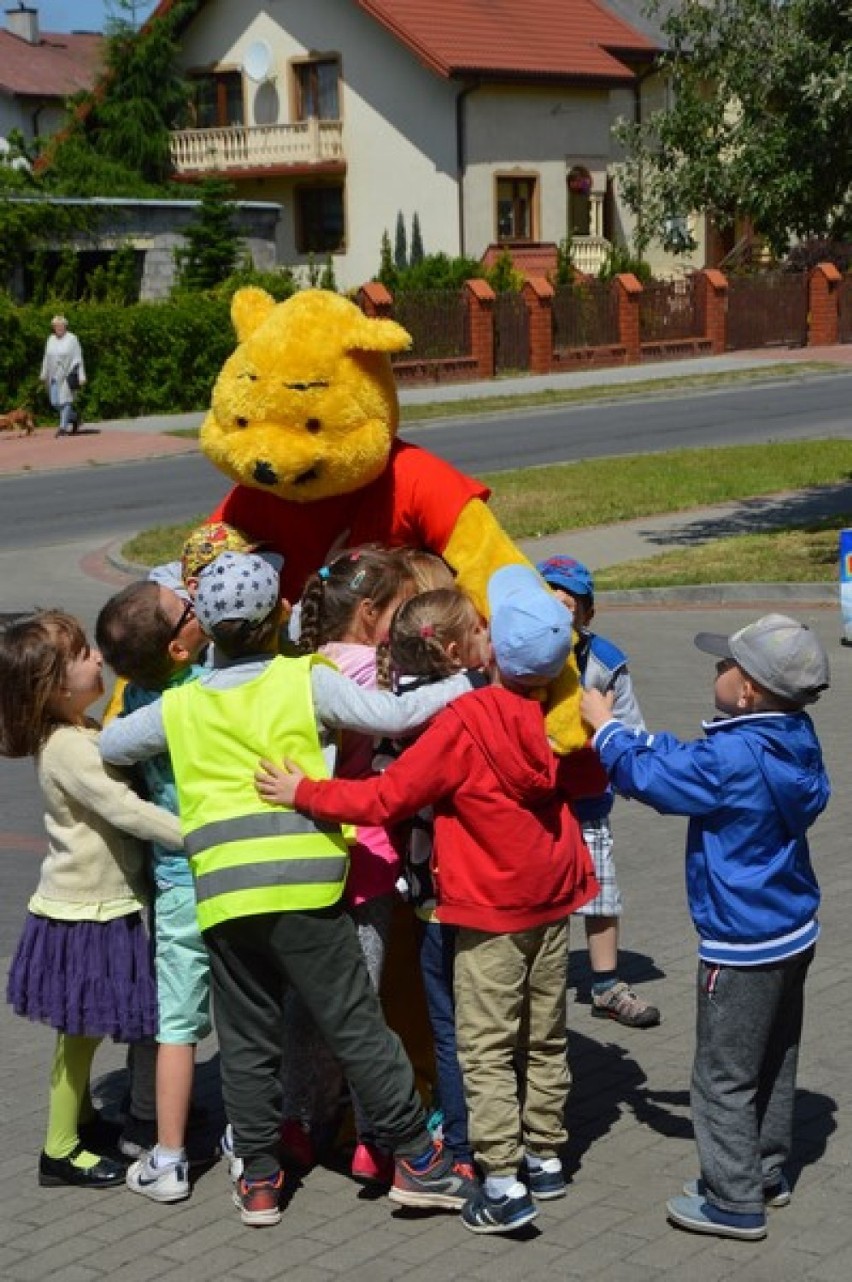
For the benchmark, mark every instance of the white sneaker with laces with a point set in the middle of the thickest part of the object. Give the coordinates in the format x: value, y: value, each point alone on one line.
x: 160, y: 1183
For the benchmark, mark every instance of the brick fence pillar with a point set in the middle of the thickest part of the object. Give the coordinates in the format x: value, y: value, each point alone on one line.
x: 480, y: 307
x: 823, y: 306
x: 537, y: 293
x: 374, y: 299
x: 628, y: 291
x: 711, y: 293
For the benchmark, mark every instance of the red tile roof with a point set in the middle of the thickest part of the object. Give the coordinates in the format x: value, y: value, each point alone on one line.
x: 58, y: 66
x: 532, y: 39
x: 564, y: 39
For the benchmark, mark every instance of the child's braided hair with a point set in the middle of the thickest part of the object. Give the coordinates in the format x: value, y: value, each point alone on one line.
x: 332, y: 595
x: 424, y: 626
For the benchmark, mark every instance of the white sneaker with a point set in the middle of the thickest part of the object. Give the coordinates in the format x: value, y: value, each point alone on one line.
x: 226, y: 1148
x: 159, y: 1183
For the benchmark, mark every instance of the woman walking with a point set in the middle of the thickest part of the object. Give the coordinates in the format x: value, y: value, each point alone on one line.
x: 63, y: 373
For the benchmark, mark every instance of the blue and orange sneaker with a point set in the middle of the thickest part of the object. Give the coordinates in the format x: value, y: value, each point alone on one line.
x: 259, y: 1201
x: 431, y: 1180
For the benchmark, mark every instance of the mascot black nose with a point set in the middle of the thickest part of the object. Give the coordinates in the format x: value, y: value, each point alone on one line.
x: 264, y: 473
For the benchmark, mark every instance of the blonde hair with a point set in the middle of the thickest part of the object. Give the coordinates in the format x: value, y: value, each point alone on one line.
x: 427, y: 570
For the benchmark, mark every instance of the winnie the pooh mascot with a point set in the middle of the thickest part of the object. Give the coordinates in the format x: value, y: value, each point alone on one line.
x: 304, y: 419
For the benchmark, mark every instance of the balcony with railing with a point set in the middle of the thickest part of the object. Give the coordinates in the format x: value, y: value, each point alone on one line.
x: 240, y: 147
x: 589, y: 253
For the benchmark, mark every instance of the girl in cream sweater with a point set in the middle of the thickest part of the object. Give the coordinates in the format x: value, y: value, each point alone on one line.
x: 82, y: 965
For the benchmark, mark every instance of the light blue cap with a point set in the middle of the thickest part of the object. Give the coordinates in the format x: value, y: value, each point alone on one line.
x: 530, y: 628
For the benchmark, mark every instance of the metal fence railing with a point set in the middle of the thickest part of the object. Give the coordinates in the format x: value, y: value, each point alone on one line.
x: 585, y: 315
x: 768, y: 309
x: 668, y: 311
x: 437, y: 321
x: 511, y: 333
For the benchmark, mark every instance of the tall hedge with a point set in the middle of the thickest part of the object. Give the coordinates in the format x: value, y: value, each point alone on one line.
x: 149, y: 358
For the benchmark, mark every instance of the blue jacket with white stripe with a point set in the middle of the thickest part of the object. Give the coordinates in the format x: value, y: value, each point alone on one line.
x: 751, y: 788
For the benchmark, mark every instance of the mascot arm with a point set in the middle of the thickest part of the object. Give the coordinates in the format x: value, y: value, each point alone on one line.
x: 476, y: 548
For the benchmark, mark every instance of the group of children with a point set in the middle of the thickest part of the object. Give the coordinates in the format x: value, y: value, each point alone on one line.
x: 264, y: 893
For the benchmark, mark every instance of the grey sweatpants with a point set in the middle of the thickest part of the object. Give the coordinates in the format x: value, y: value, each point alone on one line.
x: 253, y: 963
x: 748, y: 1028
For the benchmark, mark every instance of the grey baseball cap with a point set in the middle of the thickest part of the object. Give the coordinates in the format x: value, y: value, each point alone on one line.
x: 238, y: 585
x: 780, y: 653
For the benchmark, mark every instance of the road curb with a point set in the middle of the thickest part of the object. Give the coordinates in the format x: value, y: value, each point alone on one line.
x: 815, y: 594
x: 818, y: 594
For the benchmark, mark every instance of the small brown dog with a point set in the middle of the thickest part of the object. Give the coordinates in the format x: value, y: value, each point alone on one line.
x: 21, y: 419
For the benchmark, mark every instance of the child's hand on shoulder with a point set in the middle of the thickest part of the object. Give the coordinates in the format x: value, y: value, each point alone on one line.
x: 596, y: 708
x: 276, y: 785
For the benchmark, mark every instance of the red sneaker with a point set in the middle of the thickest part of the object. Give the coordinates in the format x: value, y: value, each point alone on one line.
x: 371, y: 1165
x: 259, y: 1201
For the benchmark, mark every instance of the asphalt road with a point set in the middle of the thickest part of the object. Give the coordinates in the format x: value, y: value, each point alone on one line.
x: 100, y: 503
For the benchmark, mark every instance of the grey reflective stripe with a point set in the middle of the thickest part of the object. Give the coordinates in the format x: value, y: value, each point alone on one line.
x: 277, y: 823
x: 329, y: 869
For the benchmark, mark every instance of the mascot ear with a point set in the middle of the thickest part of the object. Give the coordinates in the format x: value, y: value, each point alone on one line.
x: 249, y: 309
x: 373, y: 335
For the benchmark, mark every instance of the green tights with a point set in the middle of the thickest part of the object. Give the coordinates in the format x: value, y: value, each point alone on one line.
x: 69, y: 1098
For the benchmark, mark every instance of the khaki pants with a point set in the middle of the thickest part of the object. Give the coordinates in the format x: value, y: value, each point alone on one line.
x: 510, y: 1010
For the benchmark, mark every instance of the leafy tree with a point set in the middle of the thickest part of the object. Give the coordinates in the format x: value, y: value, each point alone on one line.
x: 212, y: 243
x: 619, y: 260
x: 387, y: 273
x: 503, y: 277
x: 759, y: 124
x: 434, y: 272
x: 118, y: 141
x: 327, y: 278
x: 400, y: 244
x: 416, y: 256
x: 565, y: 271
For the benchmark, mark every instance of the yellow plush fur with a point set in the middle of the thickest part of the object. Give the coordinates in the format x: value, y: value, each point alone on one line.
x: 306, y: 408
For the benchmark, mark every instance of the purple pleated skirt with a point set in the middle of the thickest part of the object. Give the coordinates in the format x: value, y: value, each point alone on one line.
x: 89, y: 978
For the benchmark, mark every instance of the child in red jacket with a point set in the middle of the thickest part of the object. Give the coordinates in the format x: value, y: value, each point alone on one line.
x: 510, y: 867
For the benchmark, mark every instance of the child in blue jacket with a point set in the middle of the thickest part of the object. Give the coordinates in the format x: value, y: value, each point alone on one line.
x: 602, y: 666
x: 751, y: 788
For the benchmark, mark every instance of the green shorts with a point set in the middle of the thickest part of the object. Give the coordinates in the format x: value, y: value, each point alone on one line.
x: 181, y: 967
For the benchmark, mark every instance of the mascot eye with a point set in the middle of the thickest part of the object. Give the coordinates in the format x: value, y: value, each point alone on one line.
x: 242, y: 422
x: 305, y: 387
x: 248, y: 374
x: 313, y: 425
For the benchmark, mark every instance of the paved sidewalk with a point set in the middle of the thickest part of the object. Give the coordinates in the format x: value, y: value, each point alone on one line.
x: 126, y: 440
x: 630, y: 1145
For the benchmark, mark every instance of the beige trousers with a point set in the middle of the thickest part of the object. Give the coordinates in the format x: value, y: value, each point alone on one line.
x: 510, y: 1022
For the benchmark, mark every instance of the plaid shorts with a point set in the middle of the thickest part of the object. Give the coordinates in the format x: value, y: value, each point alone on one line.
x: 597, y: 834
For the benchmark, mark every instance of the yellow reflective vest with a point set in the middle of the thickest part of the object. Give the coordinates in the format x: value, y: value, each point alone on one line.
x: 247, y: 857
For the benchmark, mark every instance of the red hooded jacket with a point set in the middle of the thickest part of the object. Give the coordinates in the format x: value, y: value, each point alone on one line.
x: 509, y: 853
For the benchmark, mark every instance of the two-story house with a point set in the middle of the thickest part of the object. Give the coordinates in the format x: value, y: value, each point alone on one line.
x: 39, y: 71
x: 490, y: 121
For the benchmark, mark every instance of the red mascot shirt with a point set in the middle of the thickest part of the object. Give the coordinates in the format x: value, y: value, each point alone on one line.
x: 416, y: 502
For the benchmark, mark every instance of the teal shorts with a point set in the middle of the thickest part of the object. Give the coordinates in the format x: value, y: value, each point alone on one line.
x: 181, y: 967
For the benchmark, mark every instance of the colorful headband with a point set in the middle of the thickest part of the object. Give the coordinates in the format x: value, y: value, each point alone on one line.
x: 357, y: 579
x: 427, y: 630
x: 323, y: 572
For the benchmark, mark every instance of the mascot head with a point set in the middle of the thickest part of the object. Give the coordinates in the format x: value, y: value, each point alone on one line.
x: 306, y: 406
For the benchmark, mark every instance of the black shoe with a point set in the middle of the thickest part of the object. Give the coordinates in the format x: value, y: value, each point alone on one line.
x: 100, y: 1135
x: 56, y: 1171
